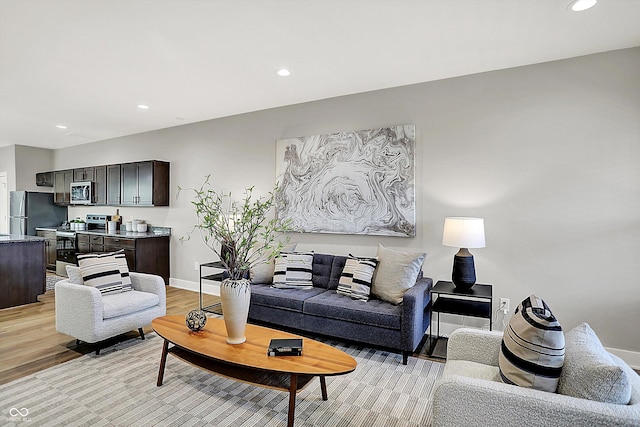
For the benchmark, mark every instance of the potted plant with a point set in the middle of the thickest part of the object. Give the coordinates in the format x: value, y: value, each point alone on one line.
x: 239, y: 233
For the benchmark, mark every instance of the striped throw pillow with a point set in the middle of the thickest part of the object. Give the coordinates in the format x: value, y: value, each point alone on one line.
x: 100, y: 271
x: 356, y: 277
x: 293, y: 270
x: 121, y: 260
x: 532, y: 352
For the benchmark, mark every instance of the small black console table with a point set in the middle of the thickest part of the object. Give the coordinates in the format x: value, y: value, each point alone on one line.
x: 445, y: 298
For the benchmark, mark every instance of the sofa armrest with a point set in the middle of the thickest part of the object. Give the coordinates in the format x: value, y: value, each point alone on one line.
x: 461, y: 401
x: 475, y: 345
x: 415, y: 305
x: 151, y: 283
x: 78, y: 310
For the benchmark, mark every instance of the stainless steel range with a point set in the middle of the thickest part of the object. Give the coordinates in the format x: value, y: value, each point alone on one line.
x: 67, y: 243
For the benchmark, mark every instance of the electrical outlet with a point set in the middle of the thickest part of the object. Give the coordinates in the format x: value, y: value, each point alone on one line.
x: 504, y: 305
x: 197, y: 266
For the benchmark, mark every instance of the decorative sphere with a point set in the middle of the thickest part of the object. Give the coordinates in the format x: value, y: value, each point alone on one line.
x: 196, y: 319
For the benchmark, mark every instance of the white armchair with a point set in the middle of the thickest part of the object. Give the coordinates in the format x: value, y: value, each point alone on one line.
x: 85, y: 314
x: 470, y: 393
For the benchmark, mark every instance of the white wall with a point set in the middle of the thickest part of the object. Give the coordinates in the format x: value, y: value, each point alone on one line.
x: 548, y: 154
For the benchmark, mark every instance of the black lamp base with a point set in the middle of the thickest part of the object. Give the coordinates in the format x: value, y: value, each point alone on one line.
x: 464, y: 272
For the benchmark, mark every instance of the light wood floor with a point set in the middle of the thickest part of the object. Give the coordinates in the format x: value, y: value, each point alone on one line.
x: 30, y: 343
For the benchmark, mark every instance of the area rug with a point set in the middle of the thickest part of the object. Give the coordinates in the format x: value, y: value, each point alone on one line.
x: 118, y: 388
x: 52, y: 279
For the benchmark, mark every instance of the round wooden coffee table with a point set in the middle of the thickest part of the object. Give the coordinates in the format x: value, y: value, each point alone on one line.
x: 248, y: 362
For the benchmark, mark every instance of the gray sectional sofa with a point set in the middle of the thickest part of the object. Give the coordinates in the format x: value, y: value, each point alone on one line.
x: 323, y: 311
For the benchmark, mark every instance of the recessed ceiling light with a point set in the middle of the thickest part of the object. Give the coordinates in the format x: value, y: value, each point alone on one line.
x: 283, y: 72
x: 580, y: 5
x: 61, y: 126
x: 143, y: 107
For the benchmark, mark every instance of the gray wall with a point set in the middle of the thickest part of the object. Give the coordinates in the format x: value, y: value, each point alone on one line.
x: 29, y: 161
x: 8, y: 165
x: 548, y: 154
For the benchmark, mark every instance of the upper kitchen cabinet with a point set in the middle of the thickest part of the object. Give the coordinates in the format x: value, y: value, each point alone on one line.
x: 113, y: 185
x: 62, y: 186
x: 84, y: 174
x: 144, y: 183
x: 100, y: 180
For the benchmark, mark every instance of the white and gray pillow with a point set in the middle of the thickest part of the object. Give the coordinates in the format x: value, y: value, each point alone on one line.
x: 532, y: 351
x: 293, y: 270
x: 101, y: 271
x: 397, y: 272
x: 356, y: 277
x: 263, y: 271
x: 591, y: 372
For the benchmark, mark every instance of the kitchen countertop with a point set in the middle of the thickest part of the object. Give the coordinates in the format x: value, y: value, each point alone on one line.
x: 155, y: 232
x: 15, y: 238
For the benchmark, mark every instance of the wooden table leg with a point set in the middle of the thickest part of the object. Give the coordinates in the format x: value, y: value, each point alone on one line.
x: 163, y: 362
x: 323, y: 387
x: 293, y: 388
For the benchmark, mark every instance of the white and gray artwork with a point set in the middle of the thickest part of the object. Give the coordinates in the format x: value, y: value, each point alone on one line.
x: 359, y: 182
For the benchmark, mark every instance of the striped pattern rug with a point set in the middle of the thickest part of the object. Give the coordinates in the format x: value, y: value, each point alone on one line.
x: 118, y: 388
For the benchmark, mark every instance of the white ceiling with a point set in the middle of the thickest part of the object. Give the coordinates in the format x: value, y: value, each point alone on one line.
x: 88, y: 64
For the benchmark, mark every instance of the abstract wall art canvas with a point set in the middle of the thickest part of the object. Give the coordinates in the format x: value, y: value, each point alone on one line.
x: 359, y: 182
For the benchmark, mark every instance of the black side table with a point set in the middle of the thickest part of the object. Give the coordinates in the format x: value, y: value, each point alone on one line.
x: 445, y: 298
x: 217, y: 277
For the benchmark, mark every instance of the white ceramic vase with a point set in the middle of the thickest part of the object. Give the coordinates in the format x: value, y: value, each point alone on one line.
x: 235, y: 296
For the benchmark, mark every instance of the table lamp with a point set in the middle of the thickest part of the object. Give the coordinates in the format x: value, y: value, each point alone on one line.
x: 463, y: 233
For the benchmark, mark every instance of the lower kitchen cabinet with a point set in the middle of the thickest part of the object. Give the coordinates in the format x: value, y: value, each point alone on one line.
x: 50, y: 254
x: 144, y: 255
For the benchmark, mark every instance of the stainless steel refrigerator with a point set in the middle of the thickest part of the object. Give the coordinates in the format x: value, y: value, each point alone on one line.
x: 28, y: 210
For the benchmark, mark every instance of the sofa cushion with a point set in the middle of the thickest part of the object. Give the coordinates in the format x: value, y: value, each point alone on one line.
x: 397, y: 272
x: 100, y: 271
x: 374, y: 312
x: 356, y: 277
x: 293, y: 270
x: 322, y: 267
x: 121, y: 304
x: 532, y: 352
x: 591, y: 372
x: 288, y: 299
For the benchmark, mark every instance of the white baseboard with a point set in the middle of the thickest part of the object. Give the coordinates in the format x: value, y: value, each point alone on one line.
x: 211, y: 288
x: 632, y: 358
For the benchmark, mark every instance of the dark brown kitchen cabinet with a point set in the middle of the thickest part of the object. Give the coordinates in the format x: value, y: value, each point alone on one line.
x: 49, y: 247
x: 144, y: 255
x: 22, y: 272
x: 145, y: 183
x: 113, y: 185
x: 100, y: 185
x: 62, y: 186
x: 44, y: 179
x: 84, y: 174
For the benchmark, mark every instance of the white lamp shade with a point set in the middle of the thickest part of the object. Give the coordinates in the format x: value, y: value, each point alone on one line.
x: 462, y: 232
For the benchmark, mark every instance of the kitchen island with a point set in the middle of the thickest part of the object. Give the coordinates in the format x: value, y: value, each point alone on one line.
x: 22, y: 269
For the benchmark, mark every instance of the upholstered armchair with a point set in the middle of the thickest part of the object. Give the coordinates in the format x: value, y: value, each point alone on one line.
x: 87, y: 315
x: 471, y: 393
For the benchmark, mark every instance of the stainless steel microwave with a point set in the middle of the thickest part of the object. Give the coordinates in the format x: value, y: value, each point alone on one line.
x: 82, y: 193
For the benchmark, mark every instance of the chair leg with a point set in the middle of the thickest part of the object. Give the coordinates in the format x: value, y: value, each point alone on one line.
x: 97, y: 349
x: 78, y: 342
x: 405, y: 357
x: 141, y: 333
